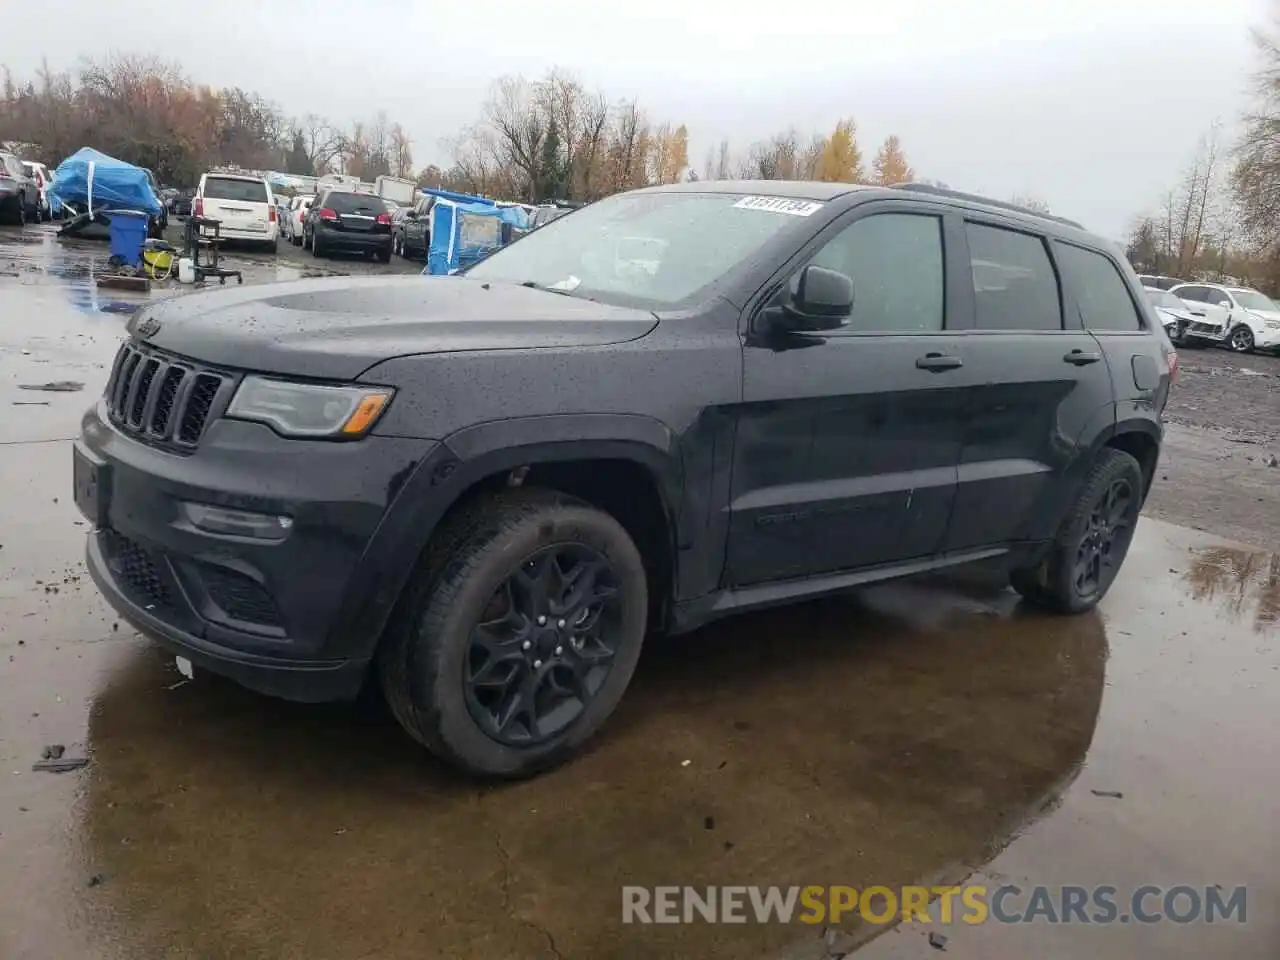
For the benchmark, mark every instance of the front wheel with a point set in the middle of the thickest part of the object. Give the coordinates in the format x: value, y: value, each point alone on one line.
x: 1092, y: 543
x: 1241, y: 339
x: 518, y: 635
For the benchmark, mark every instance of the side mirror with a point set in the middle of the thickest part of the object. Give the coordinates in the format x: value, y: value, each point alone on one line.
x: 822, y: 300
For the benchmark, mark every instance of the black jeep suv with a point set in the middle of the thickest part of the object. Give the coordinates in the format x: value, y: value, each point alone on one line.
x: 670, y: 405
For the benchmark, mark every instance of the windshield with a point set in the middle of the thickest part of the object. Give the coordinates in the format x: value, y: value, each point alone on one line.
x: 658, y: 248
x: 1252, y: 300
x: 1163, y: 298
x: 226, y: 188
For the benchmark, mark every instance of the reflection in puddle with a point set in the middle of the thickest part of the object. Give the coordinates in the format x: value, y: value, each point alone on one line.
x: 1242, y: 582
x: 832, y: 742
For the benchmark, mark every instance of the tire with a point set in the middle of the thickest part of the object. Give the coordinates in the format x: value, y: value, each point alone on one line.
x: 384, y: 256
x: 1055, y: 583
x: 317, y: 250
x: 295, y: 240
x: 1240, y: 339
x: 20, y: 211
x: 428, y: 647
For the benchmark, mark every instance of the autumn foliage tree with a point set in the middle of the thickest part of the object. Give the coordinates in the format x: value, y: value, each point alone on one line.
x: 146, y: 111
x: 840, y: 160
x: 890, y: 165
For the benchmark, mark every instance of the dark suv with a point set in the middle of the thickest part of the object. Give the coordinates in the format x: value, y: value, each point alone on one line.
x: 671, y: 405
x: 341, y: 221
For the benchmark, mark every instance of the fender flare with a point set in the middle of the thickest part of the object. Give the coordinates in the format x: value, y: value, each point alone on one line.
x: 466, y: 457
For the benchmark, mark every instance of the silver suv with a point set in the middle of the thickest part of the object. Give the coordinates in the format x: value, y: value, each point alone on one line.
x: 19, y: 195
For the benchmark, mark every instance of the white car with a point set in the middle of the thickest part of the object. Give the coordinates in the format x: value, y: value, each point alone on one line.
x: 1234, y: 317
x: 1174, y: 315
x: 44, y: 180
x: 243, y: 204
x: 292, y: 226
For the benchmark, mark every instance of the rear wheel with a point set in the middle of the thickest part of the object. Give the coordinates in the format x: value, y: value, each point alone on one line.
x: 317, y: 250
x: 519, y: 635
x: 1092, y: 543
x: 384, y: 255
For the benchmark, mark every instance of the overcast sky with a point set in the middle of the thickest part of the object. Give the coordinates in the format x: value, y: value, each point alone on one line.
x: 1093, y: 106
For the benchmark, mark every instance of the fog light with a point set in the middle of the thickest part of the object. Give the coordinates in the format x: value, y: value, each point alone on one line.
x: 237, y: 523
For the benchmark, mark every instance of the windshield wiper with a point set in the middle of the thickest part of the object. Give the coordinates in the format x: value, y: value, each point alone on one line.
x: 533, y: 285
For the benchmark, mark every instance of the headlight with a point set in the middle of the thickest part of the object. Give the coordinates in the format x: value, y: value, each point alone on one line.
x: 1272, y: 324
x: 309, y: 409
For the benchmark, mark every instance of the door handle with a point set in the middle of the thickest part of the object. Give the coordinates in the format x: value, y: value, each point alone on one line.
x: 938, y: 362
x: 1081, y: 359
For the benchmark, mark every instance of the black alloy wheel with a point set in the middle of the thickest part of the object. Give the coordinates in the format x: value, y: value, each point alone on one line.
x: 1105, y: 538
x: 544, y: 645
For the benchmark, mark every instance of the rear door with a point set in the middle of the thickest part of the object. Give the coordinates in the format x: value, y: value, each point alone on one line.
x: 1108, y: 308
x: 242, y: 205
x: 1036, y: 381
x: 847, y: 441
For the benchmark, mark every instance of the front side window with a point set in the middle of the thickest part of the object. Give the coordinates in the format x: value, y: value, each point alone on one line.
x: 1194, y: 294
x: 652, y: 249
x: 895, y: 263
x: 1099, y: 289
x: 1014, y: 284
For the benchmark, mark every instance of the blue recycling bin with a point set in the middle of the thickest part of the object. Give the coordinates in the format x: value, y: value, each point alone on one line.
x: 128, y: 234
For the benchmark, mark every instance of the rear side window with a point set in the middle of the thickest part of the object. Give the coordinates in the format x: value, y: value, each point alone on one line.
x: 1099, y: 289
x: 355, y: 203
x: 1014, y: 285
x: 244, y: 191
x: 895, y: 262
x: 1191, y: 293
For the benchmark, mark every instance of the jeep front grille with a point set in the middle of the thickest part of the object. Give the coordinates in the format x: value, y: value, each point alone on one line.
x: 160, y: 397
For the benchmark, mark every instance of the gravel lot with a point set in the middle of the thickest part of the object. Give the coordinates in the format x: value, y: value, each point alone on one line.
x: 1223, y: 432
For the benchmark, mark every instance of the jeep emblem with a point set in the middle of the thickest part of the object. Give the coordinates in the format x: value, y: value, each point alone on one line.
x: 148, y: 326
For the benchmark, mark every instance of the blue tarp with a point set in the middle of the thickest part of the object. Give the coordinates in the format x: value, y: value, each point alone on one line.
x: 98, y: 182
x: 462, y: 233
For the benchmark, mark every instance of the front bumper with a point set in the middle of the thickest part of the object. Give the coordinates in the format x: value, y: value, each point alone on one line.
x: 276, y: 615
x: 1265, y: 338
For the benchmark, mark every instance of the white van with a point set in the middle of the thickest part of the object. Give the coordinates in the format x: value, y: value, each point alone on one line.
x: 243, y: 203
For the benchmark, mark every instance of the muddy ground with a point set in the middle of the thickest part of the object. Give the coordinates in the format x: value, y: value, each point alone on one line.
x: 908, y: 732
x: 1217, y: 471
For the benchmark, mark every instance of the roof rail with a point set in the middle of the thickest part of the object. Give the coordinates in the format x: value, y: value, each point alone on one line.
x: 975, y: 198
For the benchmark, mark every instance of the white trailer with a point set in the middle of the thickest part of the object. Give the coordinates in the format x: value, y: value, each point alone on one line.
x: 395, y: 188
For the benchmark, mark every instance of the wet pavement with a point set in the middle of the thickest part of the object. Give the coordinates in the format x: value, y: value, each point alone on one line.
x: 908, y: 732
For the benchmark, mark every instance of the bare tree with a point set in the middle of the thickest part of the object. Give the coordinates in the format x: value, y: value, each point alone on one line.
x: 321, y: 140
x: 723, y: 161
x: 1256, y: 178
x: 519, y: 128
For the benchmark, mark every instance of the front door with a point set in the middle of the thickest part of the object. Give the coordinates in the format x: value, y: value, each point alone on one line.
x: 847, y: 441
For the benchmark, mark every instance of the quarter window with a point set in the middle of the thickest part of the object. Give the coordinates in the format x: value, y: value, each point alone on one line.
x: 1099, y: 289
x: 1014, y: 285
x: 895, y: 263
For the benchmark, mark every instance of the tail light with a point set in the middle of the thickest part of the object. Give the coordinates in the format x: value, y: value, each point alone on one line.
x: 197, y: 207
x: 382, y: 218
x: 327, y: 214
x: 1174, y: 369
x: 271, y: 214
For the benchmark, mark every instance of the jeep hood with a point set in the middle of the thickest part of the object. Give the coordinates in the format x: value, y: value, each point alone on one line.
x: 335, y: 328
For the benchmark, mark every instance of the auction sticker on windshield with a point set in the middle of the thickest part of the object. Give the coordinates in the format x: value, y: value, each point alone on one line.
x: 795, y: 208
